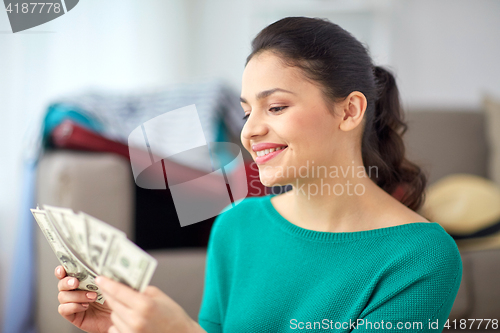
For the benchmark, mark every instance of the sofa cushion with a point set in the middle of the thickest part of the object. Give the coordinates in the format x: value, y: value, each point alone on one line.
x: 445, y: 142
x: 491, y: 107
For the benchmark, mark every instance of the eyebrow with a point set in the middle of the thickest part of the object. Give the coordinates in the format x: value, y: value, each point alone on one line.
x: 266, y: 93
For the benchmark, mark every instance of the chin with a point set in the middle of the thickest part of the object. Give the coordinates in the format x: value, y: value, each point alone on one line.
x: 270, y: 182
x: 272, y: 176
x: 267, y: 182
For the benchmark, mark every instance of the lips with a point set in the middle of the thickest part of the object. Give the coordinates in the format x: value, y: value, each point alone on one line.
x: 265, y: 158
x: 267, y: 145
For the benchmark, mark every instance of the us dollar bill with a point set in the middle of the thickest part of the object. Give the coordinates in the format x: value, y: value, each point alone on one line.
x: 72, y: 229
x: 74, y: 266
x: 127, y: 263
x: 88, y: 247
x: 99, y: 238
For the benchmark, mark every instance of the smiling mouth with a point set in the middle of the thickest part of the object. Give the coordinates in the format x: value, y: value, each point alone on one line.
x: 264, y: 158
x: 266, y: 152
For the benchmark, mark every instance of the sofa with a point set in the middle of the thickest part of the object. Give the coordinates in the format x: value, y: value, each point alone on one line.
x: 443, y: 142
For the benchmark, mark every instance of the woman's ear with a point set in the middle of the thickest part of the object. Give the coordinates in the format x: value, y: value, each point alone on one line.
x: 353, y: 108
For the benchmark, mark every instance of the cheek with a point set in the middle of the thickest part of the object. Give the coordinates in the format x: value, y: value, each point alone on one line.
x: 310, y: 132
x: 314, y: 139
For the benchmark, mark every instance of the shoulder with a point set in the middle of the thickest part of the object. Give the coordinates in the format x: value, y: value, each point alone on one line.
x: 420, y: 276
x: 429, y: 250
x: 395, y: 213
x: 420, y: 261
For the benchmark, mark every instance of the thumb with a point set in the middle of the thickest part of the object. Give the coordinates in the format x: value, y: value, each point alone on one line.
x: 152, y: 291
x: 155, y: 293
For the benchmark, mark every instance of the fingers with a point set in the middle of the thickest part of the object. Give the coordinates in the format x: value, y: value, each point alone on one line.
x: 152, y: 291
x: 69, y: 309
x: 130, y: 308
x: 72, y: 302
x: 120, y: 292
x: 75, y: 296
x: 60, y: 272
x: 68, y: 283
x: 122, y: 310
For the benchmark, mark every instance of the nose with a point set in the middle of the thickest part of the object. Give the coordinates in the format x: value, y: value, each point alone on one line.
x: 254, y: 127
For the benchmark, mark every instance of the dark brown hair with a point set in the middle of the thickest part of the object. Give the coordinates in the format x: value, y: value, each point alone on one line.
x: 340, y: 64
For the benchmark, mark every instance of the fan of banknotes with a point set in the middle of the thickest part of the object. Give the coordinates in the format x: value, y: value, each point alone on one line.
x: 88, y: 247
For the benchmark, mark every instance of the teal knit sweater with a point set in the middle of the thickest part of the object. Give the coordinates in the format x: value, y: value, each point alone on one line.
x: 266, y: 274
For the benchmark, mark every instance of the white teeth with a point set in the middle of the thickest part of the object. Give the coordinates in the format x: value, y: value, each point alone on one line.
x: 267, y: 151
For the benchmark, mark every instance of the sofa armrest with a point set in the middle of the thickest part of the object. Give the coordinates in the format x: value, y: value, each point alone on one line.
x: 478, y: 295
x: 483, y: 271
x: 99, y: 184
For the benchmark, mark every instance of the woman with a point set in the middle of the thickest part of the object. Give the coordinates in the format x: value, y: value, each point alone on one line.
x: 337, y: 251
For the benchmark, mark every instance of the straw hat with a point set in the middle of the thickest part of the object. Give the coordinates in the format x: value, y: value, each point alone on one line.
x: 468, y: 208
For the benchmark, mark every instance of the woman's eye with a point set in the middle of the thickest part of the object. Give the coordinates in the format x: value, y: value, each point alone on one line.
x: 281, y: 108
x: 276, y: 109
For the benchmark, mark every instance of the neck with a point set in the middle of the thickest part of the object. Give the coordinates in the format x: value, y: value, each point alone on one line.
x: 340, y: 203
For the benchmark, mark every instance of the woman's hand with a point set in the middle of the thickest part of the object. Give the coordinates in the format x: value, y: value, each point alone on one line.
x: 151, y: 311
x: 79, y: 307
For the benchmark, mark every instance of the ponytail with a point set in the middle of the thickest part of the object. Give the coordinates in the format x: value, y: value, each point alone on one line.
x: 387, y: 150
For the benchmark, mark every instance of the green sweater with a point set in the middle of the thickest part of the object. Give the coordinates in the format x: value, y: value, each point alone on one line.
x: 266, y: 274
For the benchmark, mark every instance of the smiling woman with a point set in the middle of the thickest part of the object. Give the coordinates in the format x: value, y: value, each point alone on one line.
x: 338, y: 251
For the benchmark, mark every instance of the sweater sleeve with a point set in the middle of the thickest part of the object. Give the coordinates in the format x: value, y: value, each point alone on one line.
x: 417, y: 293
x: 209, y: 317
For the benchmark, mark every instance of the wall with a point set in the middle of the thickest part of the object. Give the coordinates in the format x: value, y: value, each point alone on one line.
x: 444, y: 53
x: 115, y: 44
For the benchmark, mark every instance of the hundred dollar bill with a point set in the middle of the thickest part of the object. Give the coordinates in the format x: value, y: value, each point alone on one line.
x: 72, y: 228
x: 99, y: 238
x: 78, y: 227
x: 71, y: 262
x: 87, y: 247
x: 127, y: 263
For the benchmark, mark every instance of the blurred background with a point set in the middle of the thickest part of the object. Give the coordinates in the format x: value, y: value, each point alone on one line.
x: 444, y: 54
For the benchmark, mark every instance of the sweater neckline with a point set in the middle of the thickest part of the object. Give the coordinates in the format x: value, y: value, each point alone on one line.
x: 337, y: 236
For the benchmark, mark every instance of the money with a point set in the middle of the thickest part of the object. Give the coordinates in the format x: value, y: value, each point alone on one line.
x: 87, y: 247
x: 128, y: 264
x: 71, y: 229
x: 73, y: 265
x: 99, y: 237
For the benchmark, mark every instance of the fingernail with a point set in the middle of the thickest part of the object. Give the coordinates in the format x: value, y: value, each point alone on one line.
x: 85, y: 305
x: 91, y: 295
x: 72, y: 282
x: 98, y: 280
x: 58, y: 270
